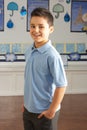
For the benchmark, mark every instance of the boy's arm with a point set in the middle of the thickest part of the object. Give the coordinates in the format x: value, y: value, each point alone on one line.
x: 57, y: 99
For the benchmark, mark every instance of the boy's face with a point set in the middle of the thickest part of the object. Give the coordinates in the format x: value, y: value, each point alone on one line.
x: 40, y: 30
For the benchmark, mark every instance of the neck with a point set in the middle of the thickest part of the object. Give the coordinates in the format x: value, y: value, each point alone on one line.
x: 39, y: 44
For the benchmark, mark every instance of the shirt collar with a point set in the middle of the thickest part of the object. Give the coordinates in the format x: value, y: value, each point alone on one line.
x: 43, y: 48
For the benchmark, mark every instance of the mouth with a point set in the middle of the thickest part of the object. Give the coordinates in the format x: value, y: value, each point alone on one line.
x: 36, y: 36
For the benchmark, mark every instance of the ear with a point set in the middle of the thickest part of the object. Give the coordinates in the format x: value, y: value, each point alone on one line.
x: 51, y: 29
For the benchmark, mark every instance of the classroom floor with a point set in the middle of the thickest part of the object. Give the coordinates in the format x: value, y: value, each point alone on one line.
x: 73, y: 115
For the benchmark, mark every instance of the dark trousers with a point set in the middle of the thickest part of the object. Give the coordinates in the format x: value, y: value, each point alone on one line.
x: 31, y: 122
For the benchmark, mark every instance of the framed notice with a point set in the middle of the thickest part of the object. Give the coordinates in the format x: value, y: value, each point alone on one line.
x: 32, y: 4
x: 1, y: 15
x: 79, y: 16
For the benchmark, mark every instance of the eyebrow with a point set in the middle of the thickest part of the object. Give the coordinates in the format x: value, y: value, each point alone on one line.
x: 34, y: 24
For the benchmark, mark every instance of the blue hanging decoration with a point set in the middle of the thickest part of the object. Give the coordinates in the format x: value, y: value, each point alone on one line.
x: 23, y: 11
x: 10, y: 24
x: 67, y: 1
x: 66, y: 17
x: 58, y: 8
x: 12, y: 6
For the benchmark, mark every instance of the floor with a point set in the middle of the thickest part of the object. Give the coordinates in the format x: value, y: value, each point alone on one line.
x: 11, y: 113
x: 73, y: 115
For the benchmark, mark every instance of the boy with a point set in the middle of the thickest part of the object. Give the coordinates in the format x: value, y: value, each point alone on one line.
x: 45, y: 79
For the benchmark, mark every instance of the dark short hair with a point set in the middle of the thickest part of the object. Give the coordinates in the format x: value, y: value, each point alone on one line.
x: 45, y: 13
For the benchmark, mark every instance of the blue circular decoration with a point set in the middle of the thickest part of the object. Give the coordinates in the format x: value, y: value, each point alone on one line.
x: 66, y: 17
x: 23, y: 11
x: 10, y: 24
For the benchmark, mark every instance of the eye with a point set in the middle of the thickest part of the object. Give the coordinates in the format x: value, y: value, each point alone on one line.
x: 32, y: 26
x: 41, y: 26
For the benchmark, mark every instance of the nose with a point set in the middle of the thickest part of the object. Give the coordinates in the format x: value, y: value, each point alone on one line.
x: 37, y: 29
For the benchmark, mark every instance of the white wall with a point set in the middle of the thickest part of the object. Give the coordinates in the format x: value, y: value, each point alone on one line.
x: 62, y: 29
x: 18, y: 34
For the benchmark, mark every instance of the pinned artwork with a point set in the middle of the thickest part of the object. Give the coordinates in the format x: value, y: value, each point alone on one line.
x: 10, y: 24
x: 84, y: 18
x: 23, y: 11
x: 1, y: 15
x: 32, y: 4
x: 10, y: 57
x: 74, y: 56
x: 79, y: 16
x: 12, y: 6
x: 66, y: 17
x: 58, y: 8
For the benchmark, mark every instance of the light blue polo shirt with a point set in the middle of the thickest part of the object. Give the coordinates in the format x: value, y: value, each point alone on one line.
x: 44, y: 72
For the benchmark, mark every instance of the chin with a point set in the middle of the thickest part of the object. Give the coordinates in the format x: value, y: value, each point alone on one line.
x: 38, y: 41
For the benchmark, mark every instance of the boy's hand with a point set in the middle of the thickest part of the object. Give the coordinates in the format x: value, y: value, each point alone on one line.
x: 48, y: 114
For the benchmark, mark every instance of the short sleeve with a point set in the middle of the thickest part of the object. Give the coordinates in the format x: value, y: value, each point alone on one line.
x: 57, y: 71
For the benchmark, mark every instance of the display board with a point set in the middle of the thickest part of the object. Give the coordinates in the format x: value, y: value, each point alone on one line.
x: 1, y: 15
x: 32, y: 4
x: 79, y: 16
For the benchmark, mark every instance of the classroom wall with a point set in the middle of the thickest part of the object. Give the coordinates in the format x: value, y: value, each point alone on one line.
x: 19, y: 35
x: 62, y: 29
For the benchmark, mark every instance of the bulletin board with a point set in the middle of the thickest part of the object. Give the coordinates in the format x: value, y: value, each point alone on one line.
x: 32, y: 4
x: 1, y: 15
x: 79, y: 16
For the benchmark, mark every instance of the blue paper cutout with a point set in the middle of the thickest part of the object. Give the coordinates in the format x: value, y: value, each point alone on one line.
x: 12, y: 6
x: 66, y: 17
x: 23, y: 11
x: 10, y: 24
x: 58, y: 8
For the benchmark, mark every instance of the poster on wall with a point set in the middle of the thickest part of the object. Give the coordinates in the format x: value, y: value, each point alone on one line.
x: 79, y: 16
x: 32, y: 4
x: 1, y: 15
